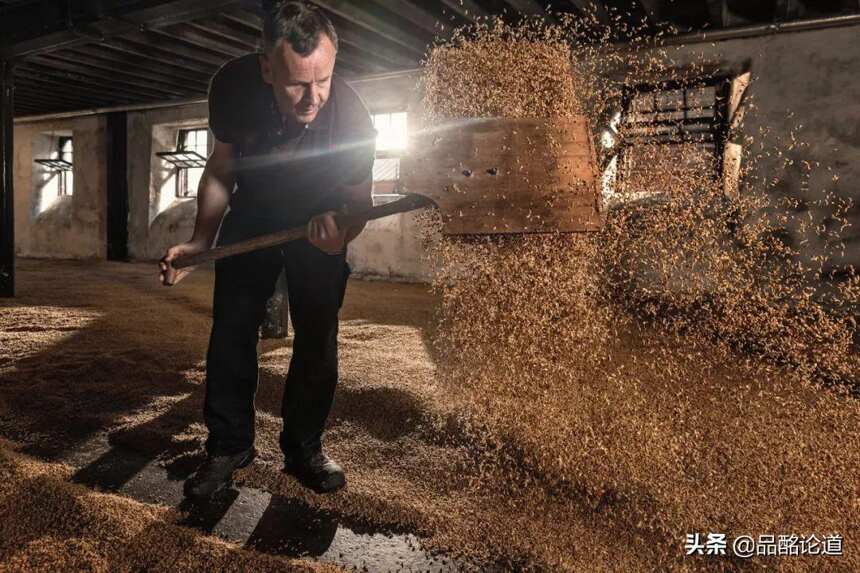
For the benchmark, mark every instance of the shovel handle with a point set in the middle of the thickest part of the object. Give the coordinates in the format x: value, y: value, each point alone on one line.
x: 408, y: 203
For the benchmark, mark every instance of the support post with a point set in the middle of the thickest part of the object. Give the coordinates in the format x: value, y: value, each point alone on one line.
x: 117, y: 186
x: 7, y: 195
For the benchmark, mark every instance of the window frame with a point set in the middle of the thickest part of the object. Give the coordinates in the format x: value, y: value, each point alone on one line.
x: 381, y: 197
x: 184, y: 159
x: 66, y: 182
x: 718, y: 126
x: 182, y: 172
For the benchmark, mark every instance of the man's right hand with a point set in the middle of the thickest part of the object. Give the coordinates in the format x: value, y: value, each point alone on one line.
x: 170, y: 276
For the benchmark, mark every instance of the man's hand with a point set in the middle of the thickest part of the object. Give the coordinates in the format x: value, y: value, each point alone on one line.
x: 170, y: 276
x: 324, y: 234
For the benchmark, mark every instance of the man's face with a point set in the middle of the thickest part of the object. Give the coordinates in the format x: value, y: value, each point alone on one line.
x: 301, y: 84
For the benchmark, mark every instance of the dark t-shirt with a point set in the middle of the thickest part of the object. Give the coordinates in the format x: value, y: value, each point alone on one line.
x: 283, y: 179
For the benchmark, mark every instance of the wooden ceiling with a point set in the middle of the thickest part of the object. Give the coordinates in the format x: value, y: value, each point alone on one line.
x: 84, y: 54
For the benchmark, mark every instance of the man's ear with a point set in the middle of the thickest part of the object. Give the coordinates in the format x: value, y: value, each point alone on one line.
x: 266, y: 68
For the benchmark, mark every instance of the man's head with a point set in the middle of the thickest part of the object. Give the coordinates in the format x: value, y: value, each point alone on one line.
x: 300, y: 45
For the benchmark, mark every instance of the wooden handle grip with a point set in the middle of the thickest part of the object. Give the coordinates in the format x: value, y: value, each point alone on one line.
x: 404, y: 205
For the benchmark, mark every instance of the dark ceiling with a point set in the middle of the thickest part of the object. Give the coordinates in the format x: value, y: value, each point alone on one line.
x: 84, y: 54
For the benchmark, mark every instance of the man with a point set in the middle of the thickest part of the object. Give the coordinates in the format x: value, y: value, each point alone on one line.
x: 297, y: 143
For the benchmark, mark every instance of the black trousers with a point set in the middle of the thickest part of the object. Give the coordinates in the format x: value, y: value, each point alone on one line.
x: 316, y: 283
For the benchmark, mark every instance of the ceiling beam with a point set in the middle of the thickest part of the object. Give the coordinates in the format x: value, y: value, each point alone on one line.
x: 353, y: 13
x: 193, y: 37
x: 112, y: 76
x: 414, y: 14
x: 58, y: 34
x: 36, y: 93
x: 374, y: 49
x: 356, y: 60
x: 46, y: 103
x: 74, y: 80
x: 134, y: 67
x: 181, y: 64
x: 168, y: 47
x: 224, y: 30
x: 68, y: 85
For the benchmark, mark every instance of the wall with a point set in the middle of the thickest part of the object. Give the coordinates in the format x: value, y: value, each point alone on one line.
x: 806, y: 88
x: 806, y: 81
x: 60, y: 227
x: 157, y: 219
x: 390, y: 248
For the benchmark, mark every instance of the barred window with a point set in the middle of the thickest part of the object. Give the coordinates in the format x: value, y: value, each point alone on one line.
x: 66, y: 178
x: 669, y: 130
x: 194, y: 141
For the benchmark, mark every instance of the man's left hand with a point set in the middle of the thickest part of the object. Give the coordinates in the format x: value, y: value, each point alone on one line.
x: 324, y: 234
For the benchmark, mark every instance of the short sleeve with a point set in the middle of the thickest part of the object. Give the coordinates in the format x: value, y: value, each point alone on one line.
x: 236, y: 98
x: 221, y: 121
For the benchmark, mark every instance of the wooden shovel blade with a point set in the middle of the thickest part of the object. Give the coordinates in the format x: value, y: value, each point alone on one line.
x: 495, y: 175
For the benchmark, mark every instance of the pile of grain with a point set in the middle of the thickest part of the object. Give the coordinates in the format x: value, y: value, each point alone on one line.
x: 667, y: 369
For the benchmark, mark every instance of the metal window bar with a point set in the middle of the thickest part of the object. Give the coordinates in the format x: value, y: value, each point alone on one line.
x: 57, y: 165
x: 183, y: 159
x: 63, y: 161
x: 702, y: 123
x: 187, y: 155
x: 386, y: 169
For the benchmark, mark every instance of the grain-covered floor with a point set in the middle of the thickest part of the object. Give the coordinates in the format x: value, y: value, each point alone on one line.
x: 101, y: 380
x: 101, y: 374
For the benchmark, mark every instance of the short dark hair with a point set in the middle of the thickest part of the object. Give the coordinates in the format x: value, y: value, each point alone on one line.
x: 299, y: 24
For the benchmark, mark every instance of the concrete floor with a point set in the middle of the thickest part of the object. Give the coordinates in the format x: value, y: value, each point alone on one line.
x: 250, y: 517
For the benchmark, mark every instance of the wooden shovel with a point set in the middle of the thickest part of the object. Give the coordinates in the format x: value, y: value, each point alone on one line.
x: 403, y: 205
x: 486, y: 176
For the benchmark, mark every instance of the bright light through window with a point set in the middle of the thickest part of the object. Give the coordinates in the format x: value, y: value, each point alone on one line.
x: 188, y: 179
x: 391, y: 128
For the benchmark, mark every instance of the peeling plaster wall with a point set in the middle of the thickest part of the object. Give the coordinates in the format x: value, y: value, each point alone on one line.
x: 72, y: 227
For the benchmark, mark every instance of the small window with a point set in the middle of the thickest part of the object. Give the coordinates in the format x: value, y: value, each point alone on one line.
x: 386, y: 169
x: 669, y: 129
x: 189, y: 158
x: 391, y: 132
x: 65, y: 153
x: 391, y: 143
x: 188, y: 178
x: 59, y: 165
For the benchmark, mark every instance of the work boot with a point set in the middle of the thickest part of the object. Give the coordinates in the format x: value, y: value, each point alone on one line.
x: 317, y: 472
x: 216, y: 473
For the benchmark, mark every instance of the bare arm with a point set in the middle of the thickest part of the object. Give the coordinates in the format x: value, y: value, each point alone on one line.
x: 213, y: 196
x: 358, y: 199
